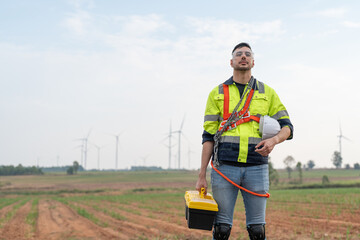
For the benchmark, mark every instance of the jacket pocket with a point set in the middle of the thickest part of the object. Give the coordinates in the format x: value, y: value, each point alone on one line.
x: 260, y: 104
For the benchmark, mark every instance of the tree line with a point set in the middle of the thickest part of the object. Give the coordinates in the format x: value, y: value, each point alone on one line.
x: 11, y: 170
x: 289, y: 162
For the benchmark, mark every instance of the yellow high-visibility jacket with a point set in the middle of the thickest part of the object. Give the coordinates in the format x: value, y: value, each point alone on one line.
x: 238, y: 145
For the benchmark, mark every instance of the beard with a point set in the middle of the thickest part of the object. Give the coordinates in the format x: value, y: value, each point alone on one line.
x: 242, y: 69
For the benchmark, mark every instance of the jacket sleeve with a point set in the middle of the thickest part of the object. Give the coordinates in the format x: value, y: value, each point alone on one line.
x: 213, y: 115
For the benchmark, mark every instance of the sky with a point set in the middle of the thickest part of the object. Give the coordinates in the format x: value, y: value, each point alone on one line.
x: 72, y: 69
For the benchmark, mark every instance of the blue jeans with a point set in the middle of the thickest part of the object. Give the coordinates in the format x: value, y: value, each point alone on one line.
x: 254, y: 178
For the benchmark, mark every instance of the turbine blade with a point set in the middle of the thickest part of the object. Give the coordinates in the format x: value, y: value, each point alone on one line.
x: 185, y: 137
x: 89, y: 133
x: 346, y: 138
x: 182, y: 123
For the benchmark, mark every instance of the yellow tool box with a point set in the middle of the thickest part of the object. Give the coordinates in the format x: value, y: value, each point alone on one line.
x: 200, y: 210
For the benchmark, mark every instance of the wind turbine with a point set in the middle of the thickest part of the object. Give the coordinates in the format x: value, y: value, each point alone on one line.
x: 144, y: 159
x: 86, y: 139
x: 81, y: 151
x: 179, y: 140
x: 116, y: 148
x: 340, y: 137
x: 84, y: 148
x: 98, y: 154
x: 169, y: 136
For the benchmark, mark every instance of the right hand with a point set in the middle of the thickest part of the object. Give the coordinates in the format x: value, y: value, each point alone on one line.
x: 201, y: 183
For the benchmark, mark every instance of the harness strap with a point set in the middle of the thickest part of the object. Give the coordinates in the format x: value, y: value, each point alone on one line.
x: 226, y: 114
x: 244, y: 111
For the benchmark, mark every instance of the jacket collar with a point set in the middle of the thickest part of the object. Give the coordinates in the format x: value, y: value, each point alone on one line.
x: 230, y: 81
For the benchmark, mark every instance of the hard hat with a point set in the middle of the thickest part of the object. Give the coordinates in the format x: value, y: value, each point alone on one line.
x: 269, y: 127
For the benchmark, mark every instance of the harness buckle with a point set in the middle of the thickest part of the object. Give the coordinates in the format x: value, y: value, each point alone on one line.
x: 247, y: 114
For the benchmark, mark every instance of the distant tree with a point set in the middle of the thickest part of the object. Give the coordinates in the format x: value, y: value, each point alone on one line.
x: 273, y: 175
x: 356, y: 166
x: 299, y: 169
x: 70, y: 171
x: 310, y: 164
x: 289, y: 161
x: 336, y: 159
x: 76, y: 167
x: 347, y: 166
x: 19, y: 170
x: 325, y: 180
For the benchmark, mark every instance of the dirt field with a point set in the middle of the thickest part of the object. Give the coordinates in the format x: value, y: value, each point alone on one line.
x: 99, y: 215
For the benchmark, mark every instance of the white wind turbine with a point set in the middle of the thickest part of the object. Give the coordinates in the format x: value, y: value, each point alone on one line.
x: 340, y: 137
x: 179, y: 132
x: 144, y: 159
x: 169, y: 136
x: 116, y: 148
x: 84, y: 149
x: 98, y: 148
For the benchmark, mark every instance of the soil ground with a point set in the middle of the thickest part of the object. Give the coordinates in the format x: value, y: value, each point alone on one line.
x: 59, y: 221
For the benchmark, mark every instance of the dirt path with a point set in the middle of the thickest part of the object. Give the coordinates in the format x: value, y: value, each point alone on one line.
x: 57, y: 221
x: 17, y: 228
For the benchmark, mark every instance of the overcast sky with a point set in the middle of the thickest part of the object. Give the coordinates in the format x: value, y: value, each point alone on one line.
x: 69, y: 68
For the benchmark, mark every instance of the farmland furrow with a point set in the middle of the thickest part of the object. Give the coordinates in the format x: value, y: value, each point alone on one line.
x: 4, y: 211
x: 279, y: 222
x: 17, y: 228
x: 128, y: 230
x: 58, y: 221
x: 154, y: 224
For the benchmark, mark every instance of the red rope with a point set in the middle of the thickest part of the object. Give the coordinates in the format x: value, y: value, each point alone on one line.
x: 267, y: 195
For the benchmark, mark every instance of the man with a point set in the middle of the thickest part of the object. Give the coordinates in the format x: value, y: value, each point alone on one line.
x: 233, y: 139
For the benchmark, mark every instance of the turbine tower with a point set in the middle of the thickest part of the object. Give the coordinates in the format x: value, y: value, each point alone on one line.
x: 116, y: 149
x: 340, y: 137
x: 84, y: 149
x: 169, y: 136
x: 98, y: 154
x: 179, y: 132
x: 144, y: 159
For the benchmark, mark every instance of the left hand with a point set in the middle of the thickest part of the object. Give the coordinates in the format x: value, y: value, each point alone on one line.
x: 265, y: 147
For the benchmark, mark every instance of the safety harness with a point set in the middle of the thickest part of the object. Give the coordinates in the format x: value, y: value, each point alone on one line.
x: 241, y: 116
x: 231, y: 121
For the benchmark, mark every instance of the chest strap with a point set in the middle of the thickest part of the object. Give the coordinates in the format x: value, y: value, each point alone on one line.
x: 242, y: 116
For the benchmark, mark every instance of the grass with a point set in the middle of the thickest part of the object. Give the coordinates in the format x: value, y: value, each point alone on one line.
x: 104, y: 177
x: 109, y: 212
x: 32, y: 217
x: 7, y: 201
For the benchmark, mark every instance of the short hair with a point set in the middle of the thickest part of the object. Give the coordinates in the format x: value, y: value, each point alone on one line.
x: 240, y: 45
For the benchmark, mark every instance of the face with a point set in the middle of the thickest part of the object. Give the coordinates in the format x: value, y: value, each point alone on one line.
x: 243, y: 59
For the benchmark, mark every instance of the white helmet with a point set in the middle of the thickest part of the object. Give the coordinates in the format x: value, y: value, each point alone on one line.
x: 269, y: 127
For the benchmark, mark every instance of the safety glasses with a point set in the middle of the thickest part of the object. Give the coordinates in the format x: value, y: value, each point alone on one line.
x: 240, y: 53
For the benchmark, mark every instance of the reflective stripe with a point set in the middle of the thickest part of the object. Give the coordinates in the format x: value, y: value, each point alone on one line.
x: 279, y: 114
x: 221, y: 89
x: 261, y: 87
x: 230, y: 139
x: 254, y: 140
x: 214, y: 118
